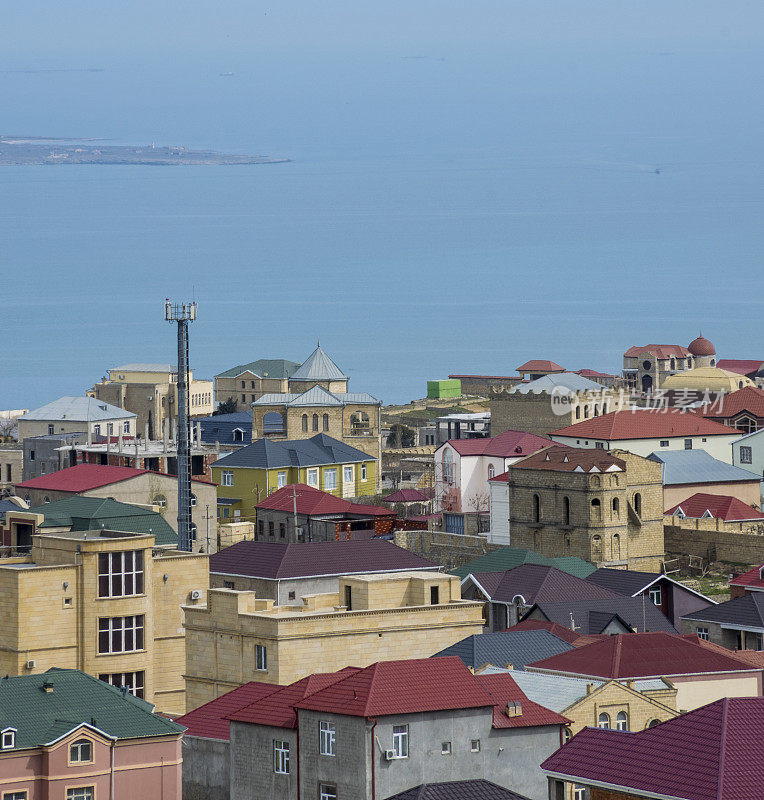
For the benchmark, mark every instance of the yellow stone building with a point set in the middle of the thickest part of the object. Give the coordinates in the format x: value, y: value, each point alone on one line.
x: 237, y: 637
x: 103, y: 602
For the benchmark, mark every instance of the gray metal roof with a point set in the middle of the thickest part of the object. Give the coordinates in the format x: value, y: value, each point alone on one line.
x: 517, y: 648
x: 317, y: 451
x: 593, y: 616
x: 278, y: 368
x: 318, y: 367
x: 77, y: 409
x: 698, y: 466
x: 315, y: 396
x: 746, y: 611
x: 139, y: 366
x: 569, y: 380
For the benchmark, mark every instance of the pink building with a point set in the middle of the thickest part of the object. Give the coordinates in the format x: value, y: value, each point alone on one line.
x: 65, y: 735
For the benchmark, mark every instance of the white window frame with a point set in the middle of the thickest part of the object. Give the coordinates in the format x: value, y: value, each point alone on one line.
x: 702, y: 633
x: 312, y: 478
x: 622, y: 721
x: 363, y: 473
x: 746, y: 454
x: 327, y: 738
x: 75, y: 751
x: 126, y: 427
x: 134, y: 682
x: 226, y: 477
x: 603, y: 723
x: 281, y: 479
x: 656, y: 592
x: 474, y: 745
x: 348, y: 469
x: 22, y: 795
x: 8, y: 739
x: 327, y: 791
x: 281, y: 757
x: 401, y: 741
x: 327, y: 483
x: 81, y: 793
x: 127, y: 566
x: 579, y: 793
x: 261, y: 658
x: 445, y: 748
x: 129, y: 633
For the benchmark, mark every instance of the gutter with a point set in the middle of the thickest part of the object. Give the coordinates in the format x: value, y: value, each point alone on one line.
x: 373, y: 760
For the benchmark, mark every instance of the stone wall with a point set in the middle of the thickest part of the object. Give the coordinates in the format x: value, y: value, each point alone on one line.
x: 451, y: 550
x: 715, y: 540
x: 206, y: 771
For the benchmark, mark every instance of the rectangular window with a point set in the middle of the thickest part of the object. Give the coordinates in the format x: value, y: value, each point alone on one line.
x: 227, y: 477
x: 80, y: 793
x: 282, y: 530
x: 97, y: 430
x: 746, y: 455
x: 703, y: 633
x: 120, y: 574
x: 313, y: 477
x: 229, y: 585
x: 330, y: 479
x: 688, y: 444
x: 126, y: 427
x: 401, y: 741
x: 244, y: 398
x: 347, y: 475
x: 599, y: 445
x: 31, y: 455
x: 445, y: 748
x: 327, y: 792
x: 134, y: 682
x: 579, y: 793
x: 261, y: 657
x: 326, y: 738
x: 664, y: 442
x: 280, y: 479
x: 81, y: 752
x: 475, y: 745
x: 656, y: 595
x: 363, y: 473
x: 271, y: 528
x: 109, y: 428
x: 261, y: 527
x: 280, y: 757
x: 434, y: 595
x: 50, y: 430
x: 15, y: 796
x: 120, y: 634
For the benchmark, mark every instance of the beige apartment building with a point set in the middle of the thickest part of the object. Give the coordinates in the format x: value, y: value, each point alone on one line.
x: 237, y: 637
x: 73, y: 414
x: 103, y: 602
x: 150, y: 391
x: 245, y: 383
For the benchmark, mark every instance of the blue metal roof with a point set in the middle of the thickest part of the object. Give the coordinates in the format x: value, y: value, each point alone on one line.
x: 319, y: 450
x: 315, y: 396
x: 698, y: 466
x: 318, y: 367
x: 77, y: 409
x: 220, y: 428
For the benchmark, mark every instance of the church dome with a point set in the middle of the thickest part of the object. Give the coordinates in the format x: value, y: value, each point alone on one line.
x: 701, y: 347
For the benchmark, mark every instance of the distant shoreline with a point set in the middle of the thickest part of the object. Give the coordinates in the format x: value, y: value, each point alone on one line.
x: 39, y: 150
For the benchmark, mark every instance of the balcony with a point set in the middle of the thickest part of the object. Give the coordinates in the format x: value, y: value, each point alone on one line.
x: 360, y: 430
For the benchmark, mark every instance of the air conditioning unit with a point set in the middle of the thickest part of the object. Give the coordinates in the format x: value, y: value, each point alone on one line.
x: 196, y: 594
x: 389, y: 755
x: 31, y: 664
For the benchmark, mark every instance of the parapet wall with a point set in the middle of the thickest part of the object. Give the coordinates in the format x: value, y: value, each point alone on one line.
x: 715, y: 540
x: 451, y: 550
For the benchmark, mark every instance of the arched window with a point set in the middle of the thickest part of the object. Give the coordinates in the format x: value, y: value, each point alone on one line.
x: 315, y: 422
x: 605, y: 408
x: 567, y: 544
x: 622, y: 721
x: 304, y: 423
x: 596, y: 515
x: 603, y: 721
x: 238, y: 435
x: 80, y: 751
x: 596, y: 548
x: 448, y: 466
x: 325, y: 422
x: 616, y: 546
x: 616, y: 507
x: 578, y: 412
x: 586, y: 412
x: 567, y: 735
x: 596, y: 410
x: 673, y: 363
x: 536, y: 508
x: 713, y: 362
x: 596, y: 480
x: 566, y: 511
x: 638, y: 504
x: 273, y: 422
x: 491, y: 471
x: 653, y: 723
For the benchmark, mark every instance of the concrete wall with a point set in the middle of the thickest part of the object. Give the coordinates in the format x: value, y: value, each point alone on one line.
x: 252, y: 774
x: 206, y: 769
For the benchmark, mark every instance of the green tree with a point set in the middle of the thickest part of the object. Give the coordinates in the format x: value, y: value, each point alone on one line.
x: 226, y: 407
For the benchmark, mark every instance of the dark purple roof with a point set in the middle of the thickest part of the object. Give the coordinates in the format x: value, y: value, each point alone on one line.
x: 302, y: 560
x: 538, y: 583
x: 406, y: 496
x: 458, y: 790
x: 713, y: 753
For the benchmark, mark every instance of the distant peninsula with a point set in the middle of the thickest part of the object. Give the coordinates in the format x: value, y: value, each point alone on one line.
x: 30, y: 150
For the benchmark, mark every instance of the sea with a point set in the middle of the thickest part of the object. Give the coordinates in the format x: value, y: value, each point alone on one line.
x: 467, y: 188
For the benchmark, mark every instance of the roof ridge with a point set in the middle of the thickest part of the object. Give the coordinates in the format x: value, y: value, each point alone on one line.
x: 722, y: 749
x: 371, y: 687
x: 616, y: 662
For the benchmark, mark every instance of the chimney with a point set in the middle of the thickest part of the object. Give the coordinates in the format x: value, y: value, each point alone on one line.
x: 514, y: 708
x: 47, y: 686
x: 589, y: 688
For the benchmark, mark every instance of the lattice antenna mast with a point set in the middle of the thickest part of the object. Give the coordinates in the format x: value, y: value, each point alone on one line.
x: 183, y: 314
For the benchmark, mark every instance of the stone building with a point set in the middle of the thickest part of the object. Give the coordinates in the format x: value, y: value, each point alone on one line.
x: 645, y: 367
x: 551, y: 402
x: 237, y: 637
x: 11, y: 466
x: 101, y: 601
x: 150, y: 391
x: 604, y: 507
x: 245, y: 383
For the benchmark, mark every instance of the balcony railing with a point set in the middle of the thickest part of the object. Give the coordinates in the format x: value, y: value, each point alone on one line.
x: 360, y: 430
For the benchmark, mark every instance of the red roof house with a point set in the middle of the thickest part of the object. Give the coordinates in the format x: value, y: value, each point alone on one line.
x: 743, y: 409
x: 80, y: 478
x: 311, y: 502
x: 715, y: 506
x: 712, y: 753
x: 750, y: 581
x: 747, y: 367
x: 660, y: 351
x: 537, y: 368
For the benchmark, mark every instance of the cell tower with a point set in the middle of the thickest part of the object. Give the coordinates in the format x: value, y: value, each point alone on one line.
x: 183, y: 314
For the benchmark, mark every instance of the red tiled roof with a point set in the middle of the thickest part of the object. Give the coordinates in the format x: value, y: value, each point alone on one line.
x: 645, y: 424
x: 503, y: 689
x: 407, y: 496
x: 210, y: 721
x: 510, y: 444
x: 572, y: 459
x: 592, y: 373
x: 641, y: 655
x: 740, y: 366
x: 749, y: 398
x: 491, y: 377
x: 718, y: 506
x: 751, y: 578
x: 402, y: 687
x: 658, y: 350
x: 311, y: 501
x: 277, y: 708
x: 712, y: 753
x: 81, y: 478
x: 540, y: 366
x: 304, y: 559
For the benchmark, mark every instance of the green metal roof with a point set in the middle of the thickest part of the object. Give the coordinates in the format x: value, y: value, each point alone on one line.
x: 270, y: 367
x: 510, y: 557
x: 92, y: 513
x: 41, y: 717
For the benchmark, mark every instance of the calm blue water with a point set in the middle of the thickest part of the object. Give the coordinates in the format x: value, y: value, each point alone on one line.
x: 459, y: 200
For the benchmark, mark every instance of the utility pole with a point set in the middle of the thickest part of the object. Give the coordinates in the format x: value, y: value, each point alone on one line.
x: 182, y: 314
x: 294, y: 508
x: 207, y: 520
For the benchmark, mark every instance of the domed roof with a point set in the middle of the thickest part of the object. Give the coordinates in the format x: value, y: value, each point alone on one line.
x: 703, y: 379
x: 701, y: 347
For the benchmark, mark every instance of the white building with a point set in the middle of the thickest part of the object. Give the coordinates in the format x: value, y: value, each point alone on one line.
x: 463, y: 467
x: 748, y: 453
x: 645, y: 431
x: 75, y: 415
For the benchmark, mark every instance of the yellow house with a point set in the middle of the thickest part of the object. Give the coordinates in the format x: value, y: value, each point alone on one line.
x: 105, y: 603
x: 248, y: 475
x: 236, y: 637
